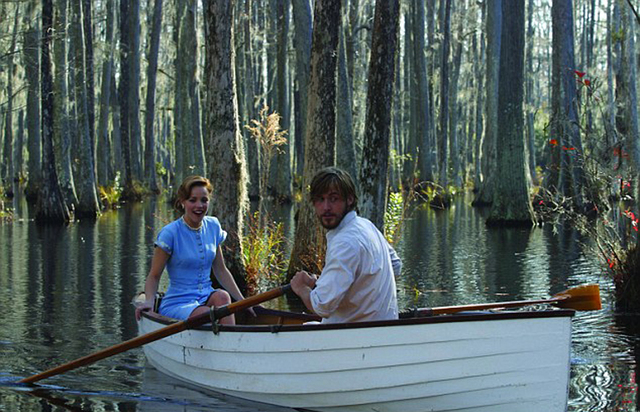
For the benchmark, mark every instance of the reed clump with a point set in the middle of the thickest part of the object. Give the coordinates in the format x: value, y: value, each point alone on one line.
x: 111, y: 194
x: 263, y: 254
x: 6, y: 213
x: 267, y: 132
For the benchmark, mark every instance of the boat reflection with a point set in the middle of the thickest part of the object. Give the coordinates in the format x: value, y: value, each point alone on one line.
x: 162, y: 393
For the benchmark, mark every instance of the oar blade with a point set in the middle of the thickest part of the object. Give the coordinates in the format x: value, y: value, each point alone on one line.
x: 585, y: 297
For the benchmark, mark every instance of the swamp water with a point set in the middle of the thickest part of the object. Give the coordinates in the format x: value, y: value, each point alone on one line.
x: 66, y: 292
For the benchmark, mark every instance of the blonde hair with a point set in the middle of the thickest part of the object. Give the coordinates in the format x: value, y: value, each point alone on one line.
x: 184, y: 191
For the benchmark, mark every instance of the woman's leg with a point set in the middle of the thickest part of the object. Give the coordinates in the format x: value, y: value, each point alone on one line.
x: 218, y: 298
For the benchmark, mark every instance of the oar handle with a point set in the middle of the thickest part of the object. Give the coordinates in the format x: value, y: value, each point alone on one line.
x: 243, y: 304
x: 172, y: 329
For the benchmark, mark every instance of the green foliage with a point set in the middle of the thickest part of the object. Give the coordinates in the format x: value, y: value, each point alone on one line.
x: 617, y: 36
x: 160, y: 170
x: 263, y: 254
x: 396, y: 160
x: 110, y: 195
x: 6, y: 213
x: 393, y: 217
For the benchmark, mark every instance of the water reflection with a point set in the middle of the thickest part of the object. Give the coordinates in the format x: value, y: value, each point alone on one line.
x: 165, y: 394
x: 68, y: 291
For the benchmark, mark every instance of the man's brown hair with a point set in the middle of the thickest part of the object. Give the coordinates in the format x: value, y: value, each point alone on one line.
x: 333, y: 178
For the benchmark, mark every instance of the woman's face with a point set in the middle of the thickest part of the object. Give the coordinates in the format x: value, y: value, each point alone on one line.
x: 195, y: 207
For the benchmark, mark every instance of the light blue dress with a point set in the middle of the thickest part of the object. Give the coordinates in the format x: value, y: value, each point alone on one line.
x: 192, y: 252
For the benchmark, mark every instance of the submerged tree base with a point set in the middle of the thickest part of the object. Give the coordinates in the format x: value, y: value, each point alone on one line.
x: 626, y: 279
x: 441, y: 201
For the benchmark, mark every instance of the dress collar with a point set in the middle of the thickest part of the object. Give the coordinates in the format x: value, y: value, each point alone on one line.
x: 189, y: 227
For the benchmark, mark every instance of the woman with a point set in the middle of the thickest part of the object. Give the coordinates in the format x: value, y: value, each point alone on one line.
x: 188, y: 248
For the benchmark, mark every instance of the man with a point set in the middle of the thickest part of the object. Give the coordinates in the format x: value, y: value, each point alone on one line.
x: 357, y: 283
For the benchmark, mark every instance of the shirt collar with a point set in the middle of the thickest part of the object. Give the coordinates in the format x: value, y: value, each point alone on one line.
x: 350, y: 216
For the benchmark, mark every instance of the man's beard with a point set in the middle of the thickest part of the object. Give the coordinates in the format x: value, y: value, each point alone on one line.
x: 336, y: 219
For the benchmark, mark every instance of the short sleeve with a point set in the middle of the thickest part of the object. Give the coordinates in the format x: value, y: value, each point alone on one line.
x: 165, y: 239
x: 220, y: 234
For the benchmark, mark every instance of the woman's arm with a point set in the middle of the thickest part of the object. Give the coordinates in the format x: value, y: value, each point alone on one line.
x: 224, y: 276
x: 158, y: 263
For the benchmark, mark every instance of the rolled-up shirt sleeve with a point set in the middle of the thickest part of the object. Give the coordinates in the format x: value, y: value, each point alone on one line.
x: 337, y: 277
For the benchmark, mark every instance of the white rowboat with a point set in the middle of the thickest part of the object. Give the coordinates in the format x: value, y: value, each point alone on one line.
x: 499, y: 361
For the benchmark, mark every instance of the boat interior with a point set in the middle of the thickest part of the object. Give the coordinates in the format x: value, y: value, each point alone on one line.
x: 275, y: 320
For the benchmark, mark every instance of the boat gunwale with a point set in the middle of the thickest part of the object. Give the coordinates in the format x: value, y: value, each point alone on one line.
x: 403, y: 321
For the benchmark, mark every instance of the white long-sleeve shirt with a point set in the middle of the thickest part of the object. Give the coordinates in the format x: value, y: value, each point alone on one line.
x: 357, y: 283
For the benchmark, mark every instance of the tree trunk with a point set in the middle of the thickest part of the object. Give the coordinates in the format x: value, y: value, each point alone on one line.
x: 564, y: 120
x: 413, y: 150
x: 50, y: 206
x: 7, y: 172
x: 61, y: 127
x: 375, y: 158
x: 487, y: 160
x: 19, y: 147
x: 196, y: 144
x: 123, y: 98
x: 626, y: 92
x: 480, y: 58
x: 612, y: 68
x: 224, y: 141
x: 281, y: 163
x: 303, y: 25
x: 250, y: 101
x: 116, y: 121
x: 104, y: 158
x: 150, y: 105
x: 320, y: 132
x: 34, y: 138
x: 88, y: 205
x: 511, y: 204
x: 424, y: 117
x: 133, y: 92
x: 443, y: 144
x: 87, y: 19
x: 188, y: 136
x: 530, y: 112
x: 345, y: 145
x: 454, y: 138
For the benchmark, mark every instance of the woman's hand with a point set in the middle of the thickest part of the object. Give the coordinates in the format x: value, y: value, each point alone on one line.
x: 143, y: 307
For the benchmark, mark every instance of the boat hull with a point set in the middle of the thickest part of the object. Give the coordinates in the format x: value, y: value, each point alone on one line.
x: 499, y: 362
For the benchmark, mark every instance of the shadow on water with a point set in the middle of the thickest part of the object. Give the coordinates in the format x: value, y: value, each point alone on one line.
x: 68, y: 290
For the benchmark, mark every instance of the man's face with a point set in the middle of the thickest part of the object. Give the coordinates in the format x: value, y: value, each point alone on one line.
x: 331, y: 208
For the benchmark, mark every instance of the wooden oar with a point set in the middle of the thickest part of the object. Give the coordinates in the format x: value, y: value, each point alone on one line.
x: 586, y: 297
x: 172, y: 329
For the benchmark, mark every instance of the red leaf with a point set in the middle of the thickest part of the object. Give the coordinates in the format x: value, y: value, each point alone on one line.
x: 579, y: 73
x: 568, y: 148
x: 553, y: 142
x: 587, y: 82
